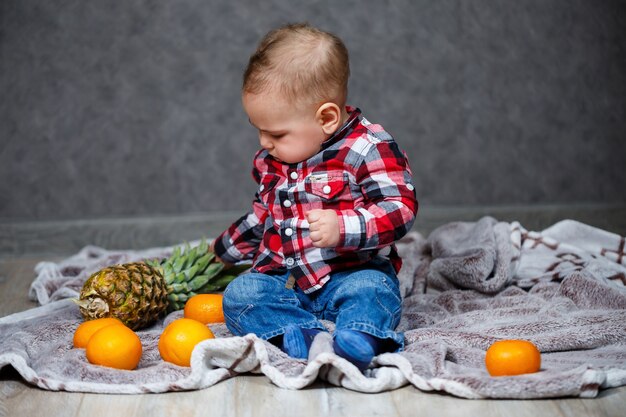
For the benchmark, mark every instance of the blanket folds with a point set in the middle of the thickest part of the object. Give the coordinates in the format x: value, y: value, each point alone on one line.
x: 465, y: 286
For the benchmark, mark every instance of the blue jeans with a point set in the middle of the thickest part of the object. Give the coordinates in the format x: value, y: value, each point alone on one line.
x: 366, y: 299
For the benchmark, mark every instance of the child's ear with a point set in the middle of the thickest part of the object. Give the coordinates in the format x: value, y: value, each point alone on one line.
x: 329, y: 117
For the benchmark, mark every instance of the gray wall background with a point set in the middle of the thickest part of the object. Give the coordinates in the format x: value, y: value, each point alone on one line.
x: 132, y: 108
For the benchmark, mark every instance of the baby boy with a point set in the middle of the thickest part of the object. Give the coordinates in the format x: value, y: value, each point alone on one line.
x: 334, y: 194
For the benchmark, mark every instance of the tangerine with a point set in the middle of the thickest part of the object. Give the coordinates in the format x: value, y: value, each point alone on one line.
x: 205, y: 308
x: 86, y: 329
x: 179, y: 338
x: 114, y: 346
x: 512, y: 357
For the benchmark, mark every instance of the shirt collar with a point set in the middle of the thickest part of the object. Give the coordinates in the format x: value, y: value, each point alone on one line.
x: 342, y: 132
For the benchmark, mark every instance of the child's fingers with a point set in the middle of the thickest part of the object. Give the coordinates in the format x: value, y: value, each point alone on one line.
x: 317, y: 236
x: 313, y: 215
x: 319, y: 242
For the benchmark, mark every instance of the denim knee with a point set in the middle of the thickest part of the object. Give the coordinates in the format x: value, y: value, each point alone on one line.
x: 248, y: 287
x: 260, y: 304
x: 369, y: 284
x: 369, y: 301
x: 241, y: 294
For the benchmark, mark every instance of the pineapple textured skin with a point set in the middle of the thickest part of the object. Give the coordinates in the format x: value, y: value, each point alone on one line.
x: 138, y: 293
x: 135, y: 293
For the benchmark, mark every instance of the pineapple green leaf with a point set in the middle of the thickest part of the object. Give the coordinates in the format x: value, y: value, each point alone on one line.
x: 173, y: 305
x: 153, y: 263
x: 221, y: 280
x: 179, y: 263
x: 191, y: 258
x: 198, y: 282
x: 213, y: 269
x: 179, y: 278
x: 203, y: 247
x: 209, y: 288
x: 224, y: 280
x: 191, y: 272
x: 211, y: 256
x: 203, y: 261
x: 178, y: 288
x: 235, y: 271
x: 167, y: 269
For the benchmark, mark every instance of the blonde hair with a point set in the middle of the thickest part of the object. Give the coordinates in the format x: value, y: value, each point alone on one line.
x: 302, y: 63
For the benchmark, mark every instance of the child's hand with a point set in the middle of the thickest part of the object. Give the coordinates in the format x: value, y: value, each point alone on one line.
x: 323, y: 228
x: 227, y: 265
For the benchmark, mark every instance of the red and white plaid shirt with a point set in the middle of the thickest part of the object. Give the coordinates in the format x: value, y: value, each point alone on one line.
x: 360, y: 172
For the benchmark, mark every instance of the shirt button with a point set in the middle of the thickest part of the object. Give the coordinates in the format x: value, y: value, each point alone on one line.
x: 288, y: 231
x: 410, y: 187
x: 326, y: 189
x: 287, y: 203
x: 294, y: 175
x: 290, y: 261
x: 262, y: 187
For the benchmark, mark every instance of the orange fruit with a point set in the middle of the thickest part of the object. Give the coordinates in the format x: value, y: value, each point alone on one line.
x: 86, y: 329
x: 205, y: 308
x: 179, y: 338
x: 114, y: 346
x: 512, y: 357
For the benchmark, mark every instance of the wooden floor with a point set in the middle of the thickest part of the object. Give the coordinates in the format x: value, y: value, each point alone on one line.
x: 252, y: 395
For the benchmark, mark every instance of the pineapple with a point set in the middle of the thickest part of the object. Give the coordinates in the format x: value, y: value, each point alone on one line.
x: 138, y: 293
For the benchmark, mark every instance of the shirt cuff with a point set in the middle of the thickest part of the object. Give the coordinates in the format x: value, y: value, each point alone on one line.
x: 352, y: 229
x: 228, y: 254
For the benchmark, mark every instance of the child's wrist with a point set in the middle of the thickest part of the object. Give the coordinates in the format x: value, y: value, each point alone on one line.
x: 219, y: 259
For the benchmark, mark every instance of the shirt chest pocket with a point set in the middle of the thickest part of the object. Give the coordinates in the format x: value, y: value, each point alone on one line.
x: 328, y: 186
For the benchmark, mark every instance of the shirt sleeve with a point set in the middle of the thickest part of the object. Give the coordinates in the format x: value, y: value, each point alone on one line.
x: 242, y: 239
x: 390, y: 201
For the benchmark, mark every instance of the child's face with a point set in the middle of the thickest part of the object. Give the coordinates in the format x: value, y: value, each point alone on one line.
x: 289, y: 133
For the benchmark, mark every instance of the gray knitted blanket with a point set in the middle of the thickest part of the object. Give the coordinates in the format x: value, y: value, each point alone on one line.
x: 466, y: 286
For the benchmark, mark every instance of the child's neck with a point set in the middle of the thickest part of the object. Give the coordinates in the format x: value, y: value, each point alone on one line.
x: 344, y: 116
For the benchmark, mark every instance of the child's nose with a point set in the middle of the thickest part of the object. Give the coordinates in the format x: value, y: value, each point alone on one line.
x: 266, y: 143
